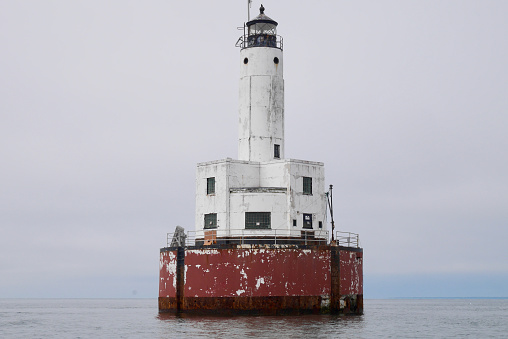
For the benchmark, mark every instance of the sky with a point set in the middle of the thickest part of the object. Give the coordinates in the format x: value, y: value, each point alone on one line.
x: 106, y: 107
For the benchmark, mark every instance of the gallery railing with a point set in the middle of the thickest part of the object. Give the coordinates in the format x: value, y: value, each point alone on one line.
x: 249, y: 236
x: 347, y: 239
x: 260, y: 40
x: 262, y: 236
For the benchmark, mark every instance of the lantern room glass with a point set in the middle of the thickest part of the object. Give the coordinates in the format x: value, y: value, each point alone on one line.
x: 262, y: 34
x: 263, y: 28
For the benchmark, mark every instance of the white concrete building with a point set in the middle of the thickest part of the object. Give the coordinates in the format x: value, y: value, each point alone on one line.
x: 261, y: 195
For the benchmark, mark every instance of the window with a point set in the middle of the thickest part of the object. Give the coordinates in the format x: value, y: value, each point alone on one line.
x: 307, y: 185
x: 211, y: 220
x: 307, y: 221
x: 210, y: 185
x: 276, y: 151
x: 257, y: 220
x: 320, y: 224
x: 294, y: 222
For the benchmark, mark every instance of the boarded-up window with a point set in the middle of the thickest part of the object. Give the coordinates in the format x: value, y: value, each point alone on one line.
x: 257, y: 220
x: 211, y: 220
x: 307, y: 221
x: 210, y: 185
x: 307, y: 185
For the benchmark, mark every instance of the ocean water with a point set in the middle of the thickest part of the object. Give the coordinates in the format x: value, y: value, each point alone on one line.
x: 138, y: 318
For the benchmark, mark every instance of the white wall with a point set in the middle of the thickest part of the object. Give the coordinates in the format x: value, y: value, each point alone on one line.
x: 216, y: 203
x: 261, y: 104
x: 282, y: 195
x: 314, y: 204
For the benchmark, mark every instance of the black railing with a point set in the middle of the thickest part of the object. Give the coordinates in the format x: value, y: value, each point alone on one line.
x: 263, y: 236
x: 260, y: 40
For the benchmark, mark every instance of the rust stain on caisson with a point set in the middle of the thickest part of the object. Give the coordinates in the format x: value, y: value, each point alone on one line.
x: 246, y: 305
x: 263, y: 280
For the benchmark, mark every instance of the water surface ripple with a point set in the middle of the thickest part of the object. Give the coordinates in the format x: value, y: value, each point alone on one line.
x: 138, y: 318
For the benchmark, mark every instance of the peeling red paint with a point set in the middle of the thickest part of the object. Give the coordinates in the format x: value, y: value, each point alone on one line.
x: 167, y: 274
x: 351, y: 272
x: 246, y: 278
x: 256, y: 272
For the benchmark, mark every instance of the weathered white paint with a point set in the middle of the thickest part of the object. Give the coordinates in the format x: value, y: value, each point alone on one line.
x: 258, y: 182
x: 261, y: 104
x: 168, y: 259
x: 259, y: 281
x: 230, y: 202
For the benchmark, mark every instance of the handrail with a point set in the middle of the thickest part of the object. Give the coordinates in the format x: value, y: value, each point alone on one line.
x: 347, y: 239
x: 253, y: 236
x: 267, y: 236
x: 260, y: 40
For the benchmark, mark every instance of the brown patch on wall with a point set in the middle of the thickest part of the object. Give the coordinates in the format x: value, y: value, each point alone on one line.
x: 246, y: 305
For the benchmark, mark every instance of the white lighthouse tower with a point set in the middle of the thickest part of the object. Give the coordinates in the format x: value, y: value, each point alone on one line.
x: 261, y: 127
x: 261, y: 197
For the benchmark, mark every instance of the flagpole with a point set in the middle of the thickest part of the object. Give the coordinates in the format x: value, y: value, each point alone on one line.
x: 248, y: 10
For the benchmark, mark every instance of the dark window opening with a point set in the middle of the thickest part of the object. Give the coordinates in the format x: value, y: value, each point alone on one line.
x: 307, y: 221
x: 276, y: 151
x: 294, y: 222
x: 211, y: 220
x: 307, y: 185
x: 246, y: 61
x: 262, y: 40
x: 276, y: 60
x: 320, y: 224
x: 257, y: 220
x: 210, y: 185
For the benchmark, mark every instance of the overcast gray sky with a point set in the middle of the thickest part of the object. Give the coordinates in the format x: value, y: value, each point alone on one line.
x: 107, y: 106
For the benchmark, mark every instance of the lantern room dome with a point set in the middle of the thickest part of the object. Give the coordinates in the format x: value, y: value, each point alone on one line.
x: 262, y: 18
x: 262, y: 24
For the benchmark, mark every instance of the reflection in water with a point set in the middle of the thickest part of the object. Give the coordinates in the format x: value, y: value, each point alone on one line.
x: 261, y: 326
x: 138, y: 318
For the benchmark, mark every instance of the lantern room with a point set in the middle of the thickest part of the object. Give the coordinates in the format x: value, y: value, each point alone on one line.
x: 261, y: 32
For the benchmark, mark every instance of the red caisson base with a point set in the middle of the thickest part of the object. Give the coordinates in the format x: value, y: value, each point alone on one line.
x: 261, y: 279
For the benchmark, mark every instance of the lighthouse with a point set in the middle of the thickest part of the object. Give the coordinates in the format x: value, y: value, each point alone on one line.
x: 260, y: 242
x: 261, y: 111
x: 262, y: 194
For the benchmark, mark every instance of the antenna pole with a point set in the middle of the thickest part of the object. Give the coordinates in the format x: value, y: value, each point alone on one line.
x: 330, y: 204
x: 248, y: 9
